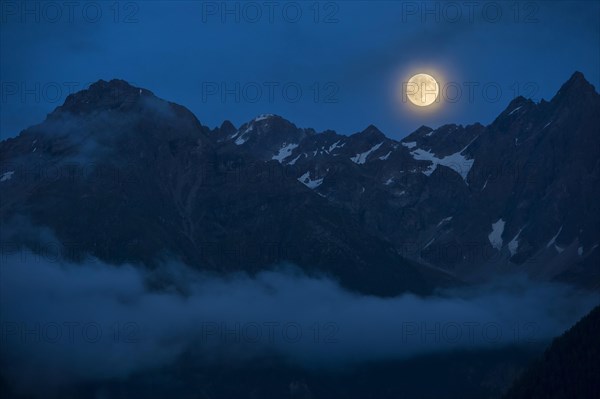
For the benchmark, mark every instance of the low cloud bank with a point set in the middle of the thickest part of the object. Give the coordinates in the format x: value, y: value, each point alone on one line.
x: 65, y: 323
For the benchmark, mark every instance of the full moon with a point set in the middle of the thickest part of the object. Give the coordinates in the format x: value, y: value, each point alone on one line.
x: 422, y: 89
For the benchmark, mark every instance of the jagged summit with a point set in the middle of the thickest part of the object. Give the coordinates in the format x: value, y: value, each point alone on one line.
x: 516, y: 104
x: 576, y: 89
x: 420, y: 132
x: 114, y: 86
x: 577, y: 80
x: 102, y: 84
x: 263, y: 117
x: 574, y: 92
x: 370, y: 131
x: 227, y: 128
x: 116, y: 93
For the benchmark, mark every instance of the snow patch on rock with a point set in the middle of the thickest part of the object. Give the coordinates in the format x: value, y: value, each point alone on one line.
x: 308, y: 182
x: 362, y: 157
x: 7, y: 175
x: 495, y: 236
x: 284, y: 152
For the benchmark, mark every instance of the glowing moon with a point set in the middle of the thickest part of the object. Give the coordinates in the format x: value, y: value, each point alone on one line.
x: 422, y: 89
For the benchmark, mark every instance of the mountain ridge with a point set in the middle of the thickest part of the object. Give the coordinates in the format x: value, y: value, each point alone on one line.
x: 384, y: 216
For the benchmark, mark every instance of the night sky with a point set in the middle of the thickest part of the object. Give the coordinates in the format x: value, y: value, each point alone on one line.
x: 326, y: 65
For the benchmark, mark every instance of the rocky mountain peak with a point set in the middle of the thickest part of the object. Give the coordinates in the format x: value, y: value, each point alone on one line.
x: 114, y: 94
x: 371, y: 132
x: 420, y: 132
x: 577, y: 81
x: 102, y: 85
x: 576, y: 89
x: 227, y: 128
x: 266, y: 123
x: 516, y: 104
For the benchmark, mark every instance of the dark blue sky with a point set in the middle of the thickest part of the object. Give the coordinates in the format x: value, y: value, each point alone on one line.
x: 326, y: 65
